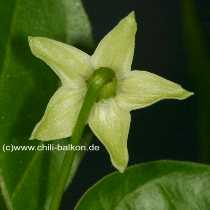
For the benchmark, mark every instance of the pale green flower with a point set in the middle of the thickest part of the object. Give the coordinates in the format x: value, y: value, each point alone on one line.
x: 110, y: 117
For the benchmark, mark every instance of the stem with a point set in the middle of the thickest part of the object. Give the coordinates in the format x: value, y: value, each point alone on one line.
x: 100, y: 77
x: 86, y: 140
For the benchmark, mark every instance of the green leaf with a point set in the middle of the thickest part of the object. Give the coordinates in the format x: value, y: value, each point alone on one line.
x: 160, y: 185
x: 26, y: 84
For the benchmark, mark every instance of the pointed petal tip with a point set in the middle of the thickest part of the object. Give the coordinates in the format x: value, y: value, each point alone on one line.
x: 131, y: 18
x: 34, y: 41
x: 32, y: 137
x: 132, y: 15
x: 186, y: 94
x: 120, y: 166
x: 31, y: 39
x: 190, y: 94
x: 122, y: 169
x: 35, y: 136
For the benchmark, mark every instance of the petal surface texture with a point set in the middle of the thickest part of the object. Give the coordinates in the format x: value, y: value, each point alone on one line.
x: 141, y: 88
x: 69, y: 63
x: 116, y: 49
x: 60, y: 116
x: 111, y: 125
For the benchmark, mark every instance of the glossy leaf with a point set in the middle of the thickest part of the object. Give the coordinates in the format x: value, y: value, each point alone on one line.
x: 160, y: 185
x: 26, y: 85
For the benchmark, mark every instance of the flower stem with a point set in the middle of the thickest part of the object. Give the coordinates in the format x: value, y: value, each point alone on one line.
x: 99, y: 78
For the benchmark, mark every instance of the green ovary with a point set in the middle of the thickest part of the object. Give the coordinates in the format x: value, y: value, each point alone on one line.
x: 108, y: 90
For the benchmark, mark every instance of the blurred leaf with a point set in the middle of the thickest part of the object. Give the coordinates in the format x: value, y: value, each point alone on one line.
x: 199, y: 69
x: 160, y: 185
x: 26, y: 84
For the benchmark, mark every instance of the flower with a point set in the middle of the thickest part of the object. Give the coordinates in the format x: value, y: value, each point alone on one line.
x: 110, y: 116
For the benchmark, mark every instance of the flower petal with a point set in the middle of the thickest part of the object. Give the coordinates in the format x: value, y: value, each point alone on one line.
x: 116, y: 49
x: 111, y: 125
x: 141, y: 88
x: 60, y: 116
x: 68, y: 62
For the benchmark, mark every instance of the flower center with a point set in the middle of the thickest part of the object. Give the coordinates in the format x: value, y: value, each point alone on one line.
x: 108, y: 89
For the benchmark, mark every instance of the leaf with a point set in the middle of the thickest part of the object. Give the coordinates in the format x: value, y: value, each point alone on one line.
x: 159, y: 185
x: 26, y: 84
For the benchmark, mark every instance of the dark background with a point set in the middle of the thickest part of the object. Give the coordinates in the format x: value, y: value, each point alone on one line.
x: 169, y: 129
